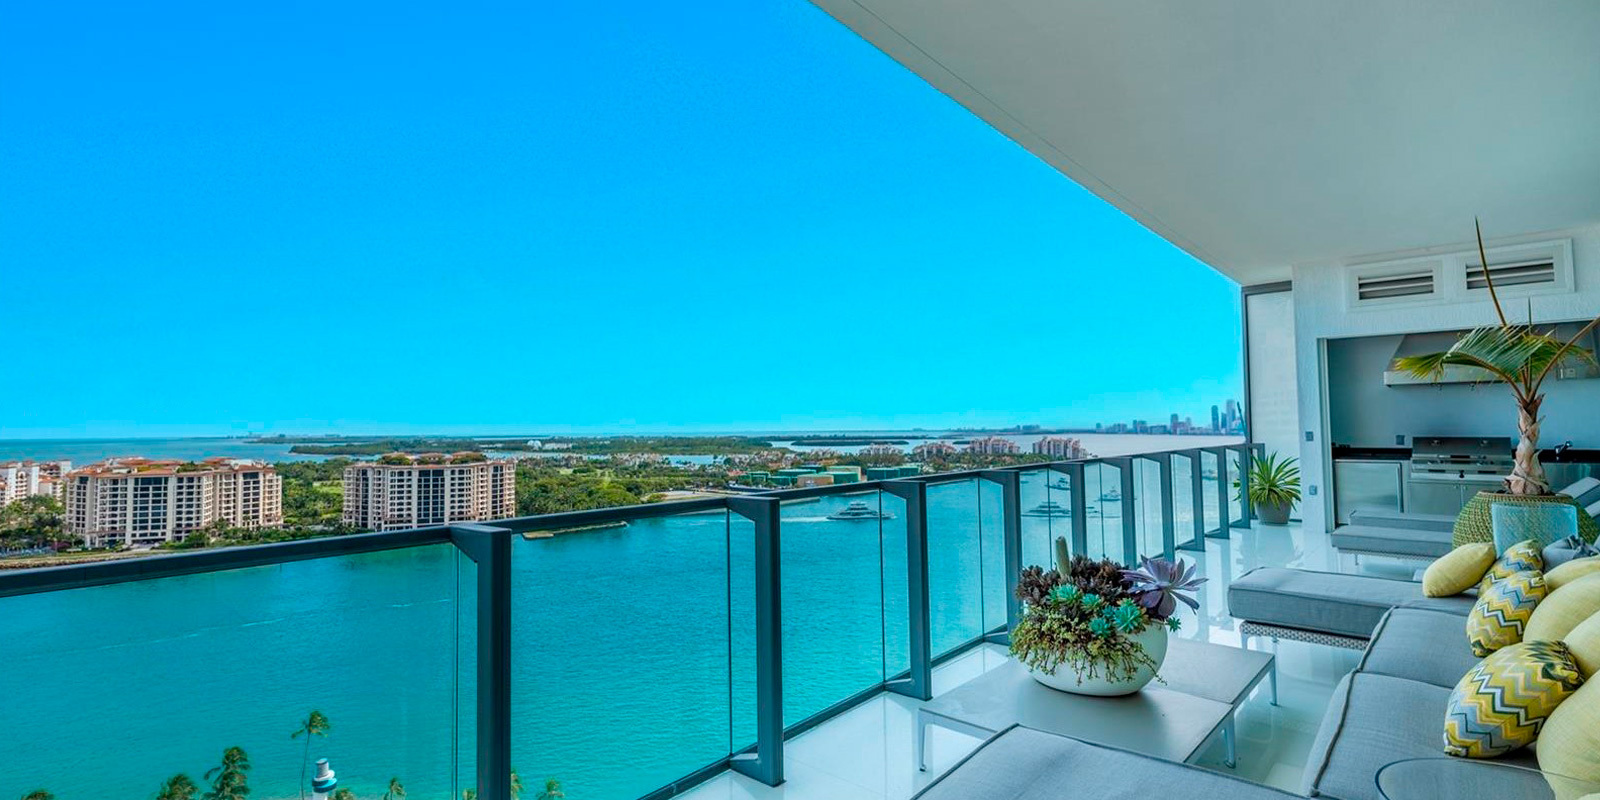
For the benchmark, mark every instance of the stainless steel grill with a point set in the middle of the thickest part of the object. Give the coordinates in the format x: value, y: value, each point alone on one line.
x: 1461, y: 458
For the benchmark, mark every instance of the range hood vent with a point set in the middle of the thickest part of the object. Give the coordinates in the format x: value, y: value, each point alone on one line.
x: 1417, y: 344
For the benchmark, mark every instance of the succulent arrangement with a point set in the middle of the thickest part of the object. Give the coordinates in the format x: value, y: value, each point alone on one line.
x: 1087, y: 617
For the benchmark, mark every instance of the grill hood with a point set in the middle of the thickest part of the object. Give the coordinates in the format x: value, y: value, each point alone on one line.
x: 1418, y: 344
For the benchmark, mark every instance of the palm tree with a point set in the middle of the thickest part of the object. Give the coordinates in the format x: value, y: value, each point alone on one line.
x: 343, y: 793
x: 1521, y: 357
x: 231, y: 783
x: 316, y: 724
x: 552, y: 791
x: 469, y: 794
x: 397, y: 790
x: 39, y: 794
x: 178, y: 787
x: 516, y: 785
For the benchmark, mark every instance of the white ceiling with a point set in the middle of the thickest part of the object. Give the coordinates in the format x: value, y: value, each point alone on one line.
x: 1260, y: 134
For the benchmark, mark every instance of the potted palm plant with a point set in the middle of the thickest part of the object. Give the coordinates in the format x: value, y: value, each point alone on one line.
x: 1520, y: 357
x: 1274, y: 488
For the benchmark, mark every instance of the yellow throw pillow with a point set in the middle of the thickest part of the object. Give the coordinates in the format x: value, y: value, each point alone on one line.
x: 1569, y: 745
x: 1523, y: 556
x: 1571, y: 571
x: 1501, y: 704
x: 1459, y: 570
x: 1561, y: 611
x: 1502, y: 613
x: 1584, y: 642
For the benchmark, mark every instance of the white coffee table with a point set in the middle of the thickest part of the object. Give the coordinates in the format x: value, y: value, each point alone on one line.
x: 1204, y: 686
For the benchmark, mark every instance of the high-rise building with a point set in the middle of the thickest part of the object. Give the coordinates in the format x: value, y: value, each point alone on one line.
x: 993, y: 446
x: 138, y: 501
x: 399, y: 491
x: 1216, y: 420
x: 19, y: 479
x: 1060, y: 447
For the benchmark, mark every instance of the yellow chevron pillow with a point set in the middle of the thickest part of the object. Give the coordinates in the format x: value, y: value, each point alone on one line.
x: 1501, y: 704
x: 1523, y: 556
x: 1502, y: 613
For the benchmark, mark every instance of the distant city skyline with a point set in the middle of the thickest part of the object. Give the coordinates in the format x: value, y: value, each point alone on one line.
x: 581, y: 219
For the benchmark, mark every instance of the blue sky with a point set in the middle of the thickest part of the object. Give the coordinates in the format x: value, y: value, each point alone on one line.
x: 550, y: 217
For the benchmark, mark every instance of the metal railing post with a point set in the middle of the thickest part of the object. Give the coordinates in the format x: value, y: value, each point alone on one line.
x: 490, y: 548
x: 919, y: 683
x: 1010, y: 482
x: 766, y: 763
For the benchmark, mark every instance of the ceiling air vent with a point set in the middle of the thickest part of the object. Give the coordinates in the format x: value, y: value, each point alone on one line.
x: 1408, y: 284
x: 1527, y: 272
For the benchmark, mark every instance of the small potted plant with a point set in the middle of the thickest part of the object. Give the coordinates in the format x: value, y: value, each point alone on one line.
x: 1274, y: 488
x: 1099, y: 629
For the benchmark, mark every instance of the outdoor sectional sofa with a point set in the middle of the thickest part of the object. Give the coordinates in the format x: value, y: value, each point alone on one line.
x: 1391, y: 707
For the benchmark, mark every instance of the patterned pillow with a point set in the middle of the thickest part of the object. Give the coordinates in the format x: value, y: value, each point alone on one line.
x: 1501, y: 704
x: 1502, y: 613
x: 1523, y: 556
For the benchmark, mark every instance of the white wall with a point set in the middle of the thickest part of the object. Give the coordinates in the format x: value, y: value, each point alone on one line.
x: 1321, y: 314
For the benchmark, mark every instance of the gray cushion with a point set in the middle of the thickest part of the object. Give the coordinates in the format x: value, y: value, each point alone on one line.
x: 1563, y: 550
x: 1387, y: 518
x: 1398, y: 541
x: 1459, y: 605
x: 1374, y: 720
x: 1025, y: 764
x: 1420, y: 645
x: 1326, y: 602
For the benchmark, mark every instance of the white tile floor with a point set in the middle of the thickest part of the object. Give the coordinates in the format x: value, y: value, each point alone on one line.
x: 866, y: 751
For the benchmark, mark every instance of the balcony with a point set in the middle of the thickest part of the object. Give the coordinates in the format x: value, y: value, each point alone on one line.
x: 712, y: 647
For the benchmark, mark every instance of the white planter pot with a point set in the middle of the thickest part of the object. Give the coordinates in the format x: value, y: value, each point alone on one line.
x: 1154, y: 641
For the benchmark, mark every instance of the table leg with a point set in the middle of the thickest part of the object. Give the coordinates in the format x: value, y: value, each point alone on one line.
x: 1231, y: 756
x: 1274, y: 680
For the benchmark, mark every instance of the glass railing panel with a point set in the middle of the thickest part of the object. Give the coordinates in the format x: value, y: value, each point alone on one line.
x: 741, y: 633
x: 621, y: 654
x: 833, y: 626
x: 1210, y: 475
x: 111, y: 691
x: 896, y: 605
x: 1183, y: 500
x: 955, y: 564
x: 1103, y: 483
x: 1046, y: 501
x: 992, y: 527
x: 1147, y: 505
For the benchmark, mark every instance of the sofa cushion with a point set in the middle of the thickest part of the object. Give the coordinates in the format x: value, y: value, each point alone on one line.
x: 1024, y: 764
x: 1501, y: 704
x: 1395, y: 541
x: 1557, y: 553
x: 1458, y: 570
x: 1407, y: 632
x: 1325, y: 602
x: 1459, y: 605
x: 1524, y: 556
x: 1501, y: 614
x: 1571, y: 571
x: 1561, y: 611
x: 1375, y: 720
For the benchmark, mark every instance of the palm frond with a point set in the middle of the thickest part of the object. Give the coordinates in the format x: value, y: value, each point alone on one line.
x: 1505, y: 352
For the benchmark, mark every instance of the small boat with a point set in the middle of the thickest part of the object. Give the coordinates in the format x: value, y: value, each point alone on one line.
x: 1048, y: 508
x: 1061, y: 483
x: 859, y: 510
x: 1113, y: 496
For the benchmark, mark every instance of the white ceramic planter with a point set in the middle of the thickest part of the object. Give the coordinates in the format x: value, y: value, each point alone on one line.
x: 1065, y: 678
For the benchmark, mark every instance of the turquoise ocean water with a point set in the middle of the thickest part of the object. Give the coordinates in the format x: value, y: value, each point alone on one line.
x: 633, y: 650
